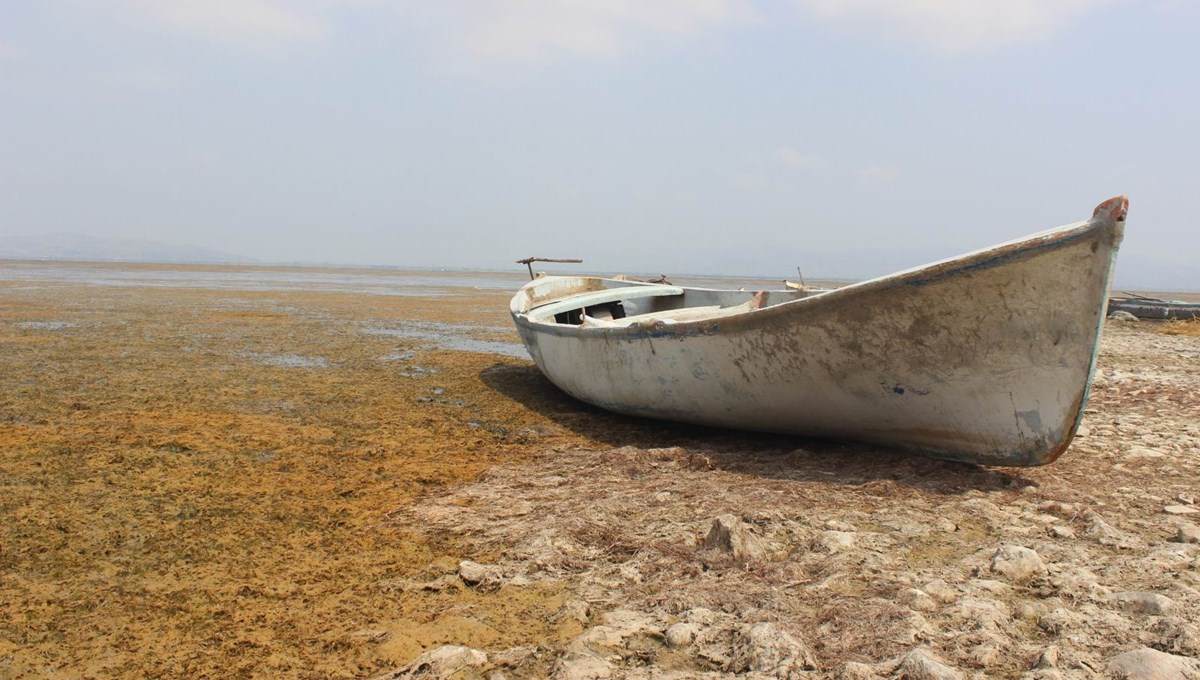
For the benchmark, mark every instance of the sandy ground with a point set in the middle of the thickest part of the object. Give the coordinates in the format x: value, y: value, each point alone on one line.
x: 285, y: 483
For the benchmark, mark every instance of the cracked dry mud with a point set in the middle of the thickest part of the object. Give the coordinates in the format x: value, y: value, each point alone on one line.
x: 239, y: 483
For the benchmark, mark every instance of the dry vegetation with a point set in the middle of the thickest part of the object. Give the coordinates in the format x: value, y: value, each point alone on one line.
x: 229, y: 483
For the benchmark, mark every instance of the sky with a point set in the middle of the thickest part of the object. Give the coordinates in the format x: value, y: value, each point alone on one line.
x: 844, y: 137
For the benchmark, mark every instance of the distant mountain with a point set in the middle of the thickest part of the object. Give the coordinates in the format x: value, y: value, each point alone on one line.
x: 80, y: 247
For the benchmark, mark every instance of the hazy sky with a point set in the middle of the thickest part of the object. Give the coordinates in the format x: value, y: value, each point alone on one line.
x: 735, y: 136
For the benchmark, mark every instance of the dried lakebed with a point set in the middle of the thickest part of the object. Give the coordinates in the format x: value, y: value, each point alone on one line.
x: 218, y: 483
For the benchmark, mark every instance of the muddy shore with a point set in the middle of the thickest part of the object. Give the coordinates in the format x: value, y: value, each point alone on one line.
x: 316, y: 481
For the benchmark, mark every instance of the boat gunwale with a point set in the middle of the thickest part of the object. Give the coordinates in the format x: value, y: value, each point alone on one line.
x: 997, y: 255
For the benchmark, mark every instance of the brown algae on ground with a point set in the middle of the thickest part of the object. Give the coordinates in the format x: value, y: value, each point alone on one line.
x: 186, y: 490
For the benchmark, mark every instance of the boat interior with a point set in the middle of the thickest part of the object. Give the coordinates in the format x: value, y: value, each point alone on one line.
x: 599, y: 303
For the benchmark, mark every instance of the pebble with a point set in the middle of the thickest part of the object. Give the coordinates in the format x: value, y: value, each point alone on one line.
x: 767, y: 648
x: 442, y: 662
x: 681, y: 634
x: 475, y: 574
x: 940, y: 591
x: 1180, y: 510
x: 946, y: 526
x: 729, y: 534
x: 1143, y: 603
x: 1142, y: 453
x: 1188, y: 533
x: 836, y: 541
x: 1060, y: 531
x: 1151, y: 664
x: 1017, y: 563
x: 1186, y: 498
x: 920, y: 664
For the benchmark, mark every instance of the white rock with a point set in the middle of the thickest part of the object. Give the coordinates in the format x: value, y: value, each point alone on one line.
x: 1151, y: 664
x: 443, y: 662
x: 940, y: 591
x: 945, y: 525
x: 484, y: 575
x: 681, y: 634
x: 1143, y: 603
x: 767, y: 648
x: 1188, y: 533
x: 1017, y: 563
x: 1181, y: 510
x: 729, y: 534
x: 582, y: 666
x: 920, y: 664
x: 1060, y: 531
x: 836, y: 541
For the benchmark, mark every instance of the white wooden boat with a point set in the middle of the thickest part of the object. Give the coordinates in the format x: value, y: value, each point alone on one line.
x: 985, y: 358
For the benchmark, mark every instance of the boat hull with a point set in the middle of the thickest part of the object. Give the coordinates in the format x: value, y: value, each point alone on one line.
x: 985, y: 358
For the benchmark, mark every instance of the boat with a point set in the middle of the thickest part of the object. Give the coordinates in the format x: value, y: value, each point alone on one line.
x: 1153, y: 308
x: 985, y: 358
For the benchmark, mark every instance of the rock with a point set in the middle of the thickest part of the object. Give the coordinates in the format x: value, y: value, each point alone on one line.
x: 1185, y: 497
x: 920, y: 664
x: 480, y: 575
x: 835, y: 525
x: 945, y: 525
x: 1143, y: 453
x: 1151, y: 664
x: 836, y: 541
x: 1082, y: 431
x: 1060, y: 531
x: 1017, y: 563
x: 940, y: 591
x: 983, y: 614
x: 444, y: 662
x: 1143, y: 603
x: 577, y: 611
x: 1181, y: 510
x: 1175, y: 635
x: 582, y: 666
x: 1057, y: 621
x: 681, y: 634
x: 767, y: 648
x: 1188, y: 533
x: 616, y: 626
x: 918, y: 600
x: 1048, y: 658
x: 1121, y: 316
x: 701, y: 616
x: 729, y: 534
x: 993, y: 587
x: 853, y: 670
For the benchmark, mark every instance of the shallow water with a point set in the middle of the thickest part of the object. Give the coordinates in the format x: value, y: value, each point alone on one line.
x: 453, y: 337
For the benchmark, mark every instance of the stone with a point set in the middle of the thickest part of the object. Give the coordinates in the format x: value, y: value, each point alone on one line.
x: 480, y: 575
x: 1151, y: 664
x: 1060, y: 531
x: 577, y: 611
x: 1121, y: 316
x: 443, y: 662
x: 940, y: 591
x: 1017, y: 563
x: 729, y: 534
x: 1181, y: 510
x: 1143, y: 453
x: 582, y: 666
x: 1175, y: 635
x: 918, y: 600
x: 1185, y: 497
x: 681, y: 634
x: 946, y: 526
x: 767, y: 648
x: 1187, y: 533
x: 836, y: 541
x: 920, y: 664
x: 1143, y: 603
x: 1048, y: 658
x: 983, y: 614
x: 1057, y: 621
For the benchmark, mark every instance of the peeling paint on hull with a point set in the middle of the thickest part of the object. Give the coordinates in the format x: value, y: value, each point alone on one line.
x: 986, y: 358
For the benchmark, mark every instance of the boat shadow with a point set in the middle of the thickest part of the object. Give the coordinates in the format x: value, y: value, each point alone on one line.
x: 772, y: 456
